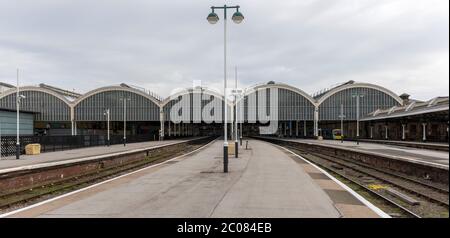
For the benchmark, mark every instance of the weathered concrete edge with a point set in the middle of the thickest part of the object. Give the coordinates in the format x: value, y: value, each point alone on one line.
x: 89, y: 158
x: 405, y: 159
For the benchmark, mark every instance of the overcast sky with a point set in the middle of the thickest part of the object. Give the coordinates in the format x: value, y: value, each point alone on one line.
x: 158, y: 44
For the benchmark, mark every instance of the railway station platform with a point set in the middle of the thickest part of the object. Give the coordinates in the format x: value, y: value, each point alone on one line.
x: 431, y: 157
x: 265, y: 181
x: 414, y: 144
x: 48, y: 157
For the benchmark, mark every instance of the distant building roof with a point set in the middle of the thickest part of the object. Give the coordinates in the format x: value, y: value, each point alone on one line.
x: 414, y: 107
x: 324, y: 91
x: 66, y: 93
x: 153, y: 94
x: 6, y: 85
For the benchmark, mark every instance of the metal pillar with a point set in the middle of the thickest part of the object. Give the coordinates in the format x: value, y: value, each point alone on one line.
x: 124, y: 122
x: 18, y: 97
x: 371, y: 132
x: 357, y: 119
x: 342, y: 123
x: 403, y: 132
x: 236, y: 142
x: 424, y: 132
x: 107, y: 114
x: 169, y: 128
x: 386, y: 136
x: 316, y: 122
x: 304, y: 128
x: 290, y: 128
x: 225, y: 123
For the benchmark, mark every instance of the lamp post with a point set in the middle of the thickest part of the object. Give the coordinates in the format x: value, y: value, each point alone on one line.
x: 237, y: 94
x: 213, y: 18
x: 124, y: 99
x: 357, y: 96
x: 18, y: 99
x: 342, y: 116
x: 106, y: 113
x: 236, y: 142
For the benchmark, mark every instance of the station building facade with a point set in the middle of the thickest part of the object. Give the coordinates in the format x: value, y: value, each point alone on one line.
x: 60, y: 112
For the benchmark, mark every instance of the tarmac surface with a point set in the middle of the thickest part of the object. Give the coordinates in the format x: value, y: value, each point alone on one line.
x: 265, y: 181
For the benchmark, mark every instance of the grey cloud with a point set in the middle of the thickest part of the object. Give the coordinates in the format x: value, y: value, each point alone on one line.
x: 400, y: 44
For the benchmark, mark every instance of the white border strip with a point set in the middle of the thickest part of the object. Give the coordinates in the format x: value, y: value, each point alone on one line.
x: 372, y: 207
x: 98, y: 184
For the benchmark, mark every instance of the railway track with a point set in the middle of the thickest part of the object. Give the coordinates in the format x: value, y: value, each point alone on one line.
x: 22, y: 197
x: 430, y: 199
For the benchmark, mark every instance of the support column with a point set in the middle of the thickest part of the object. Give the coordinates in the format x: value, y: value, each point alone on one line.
x: 403, y: 132
x: 386, y: 132
x: 316, y: 122
x: 290, y: 128
x: 161, y: 122
x: 304, y: 128
x: 296, y: 128
x: 182, y: 132
x: 175, y: 129
x: 72, y: 120
x: 280, y: 129
x: 424, y: 131
x: 371, y: 132
x: 169, y: 128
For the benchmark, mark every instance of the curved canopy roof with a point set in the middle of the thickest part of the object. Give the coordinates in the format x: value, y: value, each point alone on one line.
x: 359, y: 85
x: 282, y: 86
x: 37, y: 89
x: 192, y: 90
x: 116, y: 88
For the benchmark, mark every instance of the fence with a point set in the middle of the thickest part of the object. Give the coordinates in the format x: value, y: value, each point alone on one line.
x: 56, y: 143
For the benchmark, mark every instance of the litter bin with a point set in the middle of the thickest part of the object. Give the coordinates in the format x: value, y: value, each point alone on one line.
x: 231, y: 148
x: 33, y: 149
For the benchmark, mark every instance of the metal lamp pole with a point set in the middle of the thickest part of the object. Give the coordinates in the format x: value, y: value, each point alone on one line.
x: 213, y: 19
x: 18, y: 99
x: 357, y: 96
x: 342, y: 116
x: 236, y: 142
x: 107, y: 125
x: 124, y: 120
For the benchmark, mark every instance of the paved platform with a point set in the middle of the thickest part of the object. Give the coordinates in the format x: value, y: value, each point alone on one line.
x: 407, y: 142
x: 430, y: 156
x: 265, y: 181
x: 47, y: 157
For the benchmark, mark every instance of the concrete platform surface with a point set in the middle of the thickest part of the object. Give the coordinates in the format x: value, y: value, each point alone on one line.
x: 408, y: 142
x: 12, y: 162
x: 430, y: 156
x: 264, y: 182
